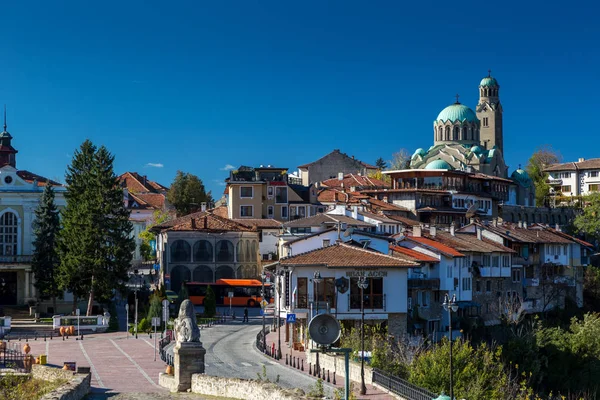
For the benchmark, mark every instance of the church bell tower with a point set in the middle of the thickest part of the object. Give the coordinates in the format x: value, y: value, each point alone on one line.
x: 7, y: 152
x: 489, y: 112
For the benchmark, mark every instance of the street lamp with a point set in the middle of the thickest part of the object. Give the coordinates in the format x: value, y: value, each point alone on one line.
x: 317, y: 279
x: 362, y: 284
x: 263, y: 276
x: 278, y: 287
x: 451, y: 306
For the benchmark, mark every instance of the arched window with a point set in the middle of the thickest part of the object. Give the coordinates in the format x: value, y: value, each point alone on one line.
x: 9, y: 224
x: 224, y: 272
x: 455, y: 133
x: 254, y: 251
x: 465, y: 132
x: 447, y: 133
x: 224, y: 250
x: 181, y: 251
x: 203, y: 273
x: 248, y: 254
x: 441, y: 133
x: 179, y: 274
x: 239, y: 251
x: 203, y: 251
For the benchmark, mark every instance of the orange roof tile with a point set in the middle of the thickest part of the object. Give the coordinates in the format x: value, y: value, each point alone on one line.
x: 436, y: 245
x: 29, y: 177
x: 136, y: 183
x: 341, y: 255
x: 416, y: 255
x: 203, y: 221
x: 353, y: 180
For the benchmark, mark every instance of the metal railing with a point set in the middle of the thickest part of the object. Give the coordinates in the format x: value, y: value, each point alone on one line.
x: 166, y: 356
x: 14, y: 358
x: 259, y: 339
x: 401, y: 387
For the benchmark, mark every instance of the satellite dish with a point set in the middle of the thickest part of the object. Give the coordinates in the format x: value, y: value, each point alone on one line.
x: 471, y: 211
x: 348, y: 232
x: 324, y: 329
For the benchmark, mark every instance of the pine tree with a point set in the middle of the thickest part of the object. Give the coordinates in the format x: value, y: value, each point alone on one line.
x: 381, y: 164
x: 95, y: 244
x: 155, y: 309
x: 45, y: 259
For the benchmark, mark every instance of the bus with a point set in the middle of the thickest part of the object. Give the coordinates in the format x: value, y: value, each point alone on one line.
x: 246, y: 292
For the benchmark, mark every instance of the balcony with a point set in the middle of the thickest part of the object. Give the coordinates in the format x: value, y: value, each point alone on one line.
x: 522, y: 261
x: 419, y: 283
x: 15, y: 259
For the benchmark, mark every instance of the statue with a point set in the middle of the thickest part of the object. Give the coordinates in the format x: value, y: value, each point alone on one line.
x: 186, y: 327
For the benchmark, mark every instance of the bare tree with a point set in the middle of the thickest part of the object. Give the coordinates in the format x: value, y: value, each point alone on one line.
x: 400, y: 160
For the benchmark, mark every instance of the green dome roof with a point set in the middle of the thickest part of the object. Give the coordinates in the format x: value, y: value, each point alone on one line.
x: 522, y: 177
x: 457, y: 113
x: 438, y: 164
x: 420, y: 152
x: 476, y: 149
x: 488, y: 81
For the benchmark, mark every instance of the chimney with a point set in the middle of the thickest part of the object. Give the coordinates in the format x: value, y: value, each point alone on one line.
x: 525, y: 224
x: 472, y: 220
x: 582, y: 159
x: 520, y: 224
x: 452, y: 231
x: 479, y: 232
x: 205, y: 222
x: 432, y: 230
x: 557, y: 227
x: 495, y: 222
x: 203, y: 206
x: 193, y: 224
x: 416, y: 231
x: 385, y: 199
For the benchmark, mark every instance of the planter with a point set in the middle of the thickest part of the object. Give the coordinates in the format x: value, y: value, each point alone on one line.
x: 169, y: 370
x: 26, y: 348
x: 62, y: 331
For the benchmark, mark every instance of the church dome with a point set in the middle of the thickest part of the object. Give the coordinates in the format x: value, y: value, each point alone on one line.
x: 438, y: 164
x: 488, y: 81
x: 477, y: 150
x: 420, y: 152
x: 457, y: 113
x: 522, y: 177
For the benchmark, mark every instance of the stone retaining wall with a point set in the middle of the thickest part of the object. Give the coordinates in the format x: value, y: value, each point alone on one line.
x: 242, y: 388
x: 336, y: 363
x: 76, y: 388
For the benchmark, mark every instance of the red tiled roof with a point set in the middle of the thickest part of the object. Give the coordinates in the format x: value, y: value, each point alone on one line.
x: 592, y: 163
x: 29, y: 177
x: 416, y: 255
x: 385, y: 206
x: 404, y: 220
x: 155, y: 200
x: 469, y: 242
x: 203, y: 221
x: 330, y: 195
x: 136, y: 183
x: 341, y: 255
x: 436, y: 245
x: 353, y: 180
x: 368, y: 166
x: 261, y: 223
x: 221, y: 211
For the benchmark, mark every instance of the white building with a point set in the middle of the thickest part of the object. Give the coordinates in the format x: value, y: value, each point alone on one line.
x: 575, y: 178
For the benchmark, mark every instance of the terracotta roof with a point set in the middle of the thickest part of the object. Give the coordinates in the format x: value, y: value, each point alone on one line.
x: 260, y: 223
x: 468, y: 242
x: 378, y: 217
x: 136, y: 183
x: 381, y: 205
x: 479, y: 175
x: 404, y: 220
x: 311, y: 235
x: 326, y: 219
x: 203, y: 221
x: 353, y: 180
x: 221, y: 211
x: 341, y: 255
x: 29, y: 177
x: 593, y: 163
x: 368, y: 166
x: 331, y: 195
x: 413, y: 254
x: 514, y: 233
x: 442, y: 248
x: 155, y: 200
x: 566, y: 236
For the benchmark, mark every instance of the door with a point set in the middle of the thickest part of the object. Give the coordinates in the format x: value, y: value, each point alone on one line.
x: 8, y: 288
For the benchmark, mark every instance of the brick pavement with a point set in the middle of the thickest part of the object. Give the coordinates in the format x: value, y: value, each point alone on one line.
x: 373, y: 393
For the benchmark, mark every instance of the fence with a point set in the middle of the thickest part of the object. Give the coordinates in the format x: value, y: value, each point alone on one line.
x: 165, y: 355
x: 260, y: 342
x: 14, y: 358
x: 401, y: 387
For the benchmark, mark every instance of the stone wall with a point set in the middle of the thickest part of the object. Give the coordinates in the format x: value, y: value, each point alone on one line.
x: 240, y: 388
x: 76, y: 388
x: 335, y: 363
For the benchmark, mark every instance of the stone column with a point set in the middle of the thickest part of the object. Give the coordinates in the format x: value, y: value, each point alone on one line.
x: 26, y: 293
x: 189, y: 360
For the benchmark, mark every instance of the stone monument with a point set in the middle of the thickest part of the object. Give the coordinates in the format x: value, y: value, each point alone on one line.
x: 188, y: 351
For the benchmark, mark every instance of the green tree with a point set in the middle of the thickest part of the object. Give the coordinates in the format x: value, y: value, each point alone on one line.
x: 381, y: 164
x: 591, y: 288
x: 588, y: 222
x: 187, y: 193
x: 146, y: 249
x: 181, y: 296
x: 155, y: 309
x: 543, y: 157
x: 45, y: 260
x: 210, y: 303
x: 95, y: 244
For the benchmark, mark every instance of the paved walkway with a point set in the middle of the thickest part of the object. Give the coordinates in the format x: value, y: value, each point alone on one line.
x: 373, y: 393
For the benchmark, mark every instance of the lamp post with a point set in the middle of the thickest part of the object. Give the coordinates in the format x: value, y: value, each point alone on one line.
x: 451, y: 306
x: 135, y: 327
x: 263, y: 276
x: 317, y: 279
x: 362, y: 284
x: 279, y: 276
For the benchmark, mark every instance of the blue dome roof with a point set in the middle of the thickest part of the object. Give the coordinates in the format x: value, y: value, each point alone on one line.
x: 438, y: 164
x: 476, y: 149
x: 522, y: 177
x: 420, y: 152
x: 488, y: 81
x: 457, y: 113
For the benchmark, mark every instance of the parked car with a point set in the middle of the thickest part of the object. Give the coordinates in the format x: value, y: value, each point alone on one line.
x: 171, y: 296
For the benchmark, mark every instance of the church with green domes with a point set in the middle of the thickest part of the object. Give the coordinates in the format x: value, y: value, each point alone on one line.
x: 468, y: 140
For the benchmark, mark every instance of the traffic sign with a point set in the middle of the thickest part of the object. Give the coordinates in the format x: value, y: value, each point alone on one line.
x: 155, y: 321
x: 165, y: 303
x: 291, y: 318
x: 230, y: 294
x: 263, y: 303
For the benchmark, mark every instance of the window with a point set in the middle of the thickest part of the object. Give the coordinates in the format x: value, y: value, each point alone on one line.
x: 246, y: 211
x: 281, y: 195
x: 373, y: 294
x: 180, y: 250
x: 488, y: 286
x: 302, y: 293
x: 269, y: 211
x: 203, y: 251
x: 593, y: 174
x: 466, y: 283
x: 516, y: 275
x: 565, y: 247
x: 246, y: 192
x: 478, y: 286
x: 564, y: 175
x: 324, y: 292
x: 224, y: 251
x: 565, y: 189
x: 594, y: 188
x: 449, y: 270
x: 485, y: 122
x: 485, y: 261
x: 284, y: 212
x: 326, y: 242
x: 495, y: 261
x: 270, y: 192
x: 424, y: 298
x: 506, y: 261
x: 8, y: 234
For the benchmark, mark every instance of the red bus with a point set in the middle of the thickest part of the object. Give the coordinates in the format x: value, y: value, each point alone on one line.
x: 246, y: 292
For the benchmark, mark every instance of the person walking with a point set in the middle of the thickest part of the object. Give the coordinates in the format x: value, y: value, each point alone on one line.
x: 245, y: 315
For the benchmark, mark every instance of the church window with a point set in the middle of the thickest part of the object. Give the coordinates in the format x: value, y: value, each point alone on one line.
x: 447, y: 133
x: 485, y: 121
x: 8, y: 234
x: 455, y: 133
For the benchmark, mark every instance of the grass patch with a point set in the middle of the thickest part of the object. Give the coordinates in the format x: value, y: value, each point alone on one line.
x: 18, y: 387
x: 46, y: 320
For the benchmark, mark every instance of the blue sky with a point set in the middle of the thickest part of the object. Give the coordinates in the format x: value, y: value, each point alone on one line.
x: 198, y: 86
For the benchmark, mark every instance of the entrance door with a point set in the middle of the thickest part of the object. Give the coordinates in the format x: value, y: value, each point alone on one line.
x: 8, y: 288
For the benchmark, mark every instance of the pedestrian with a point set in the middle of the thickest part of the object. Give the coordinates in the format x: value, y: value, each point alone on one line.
x: 245, y: 314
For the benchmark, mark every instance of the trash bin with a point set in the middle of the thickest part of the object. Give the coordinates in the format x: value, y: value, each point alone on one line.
x: 43, y: 359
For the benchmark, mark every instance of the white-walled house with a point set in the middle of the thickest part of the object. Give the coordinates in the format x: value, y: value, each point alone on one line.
x: 340, y: 265
x: 575, y: 178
